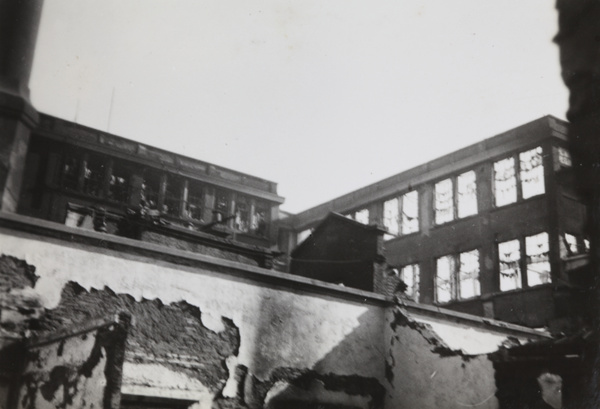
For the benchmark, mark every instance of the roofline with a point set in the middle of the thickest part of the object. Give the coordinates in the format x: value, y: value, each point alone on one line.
x: 152, y: 156
x: 469, y: 156
x: 338, y: 216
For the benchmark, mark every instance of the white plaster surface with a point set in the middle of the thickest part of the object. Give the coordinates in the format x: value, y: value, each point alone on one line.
x: 278, y: 327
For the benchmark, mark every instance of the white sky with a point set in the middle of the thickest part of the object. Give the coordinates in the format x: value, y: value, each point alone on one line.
x: 321, y: 96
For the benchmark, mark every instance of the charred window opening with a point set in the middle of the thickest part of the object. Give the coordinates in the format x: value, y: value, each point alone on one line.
x: 444, y: 284
x: 242, y: 214
x: 69, y: 178
x: 538, y: 261
x: 456, y: 197
x: 532, y: 173
x: 401, y: 214
x: 93, y: 176
x: 457, y: 277
x: 411, y: 276
x: 221, y: 207
x: 150, y: 189
x: 509, y: 255
x: 259, y: 219
x: 444, y: 201
x: 118, y: 185
x: 173, y: 197
x: 530, y: 182
x: 467, y: 194
x: 194, y: 207
x: 562, y: 158
x: 505, y: 182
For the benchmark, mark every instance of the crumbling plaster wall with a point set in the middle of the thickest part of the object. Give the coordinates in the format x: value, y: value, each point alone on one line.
x: 286, y: 337
x: 423, y: 371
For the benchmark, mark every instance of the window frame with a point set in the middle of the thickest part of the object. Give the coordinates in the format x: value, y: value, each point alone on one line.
x: 401, y: 228
x: 454, y: 280
x: 518, y: 176
x: 456, y: 198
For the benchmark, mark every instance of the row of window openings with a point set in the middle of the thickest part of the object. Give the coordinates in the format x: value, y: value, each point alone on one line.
x: 88, y: 176
x: 456, y: 197
x: 457, y: 276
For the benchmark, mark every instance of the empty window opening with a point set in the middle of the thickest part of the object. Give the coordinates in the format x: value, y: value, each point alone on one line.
x: 362, y: 216
x: 258, y: 224
x: 532, y: 173
x: 564, y: 157
x: 444, y: 201
x: 410, y: 212
x: 467, y: 194
x: 242, y: 214
x: 538, y: 262
x: 173, y: 197
x: 444, y: 286
x: 221, y: 207
x: 411, y: 276
x: 505, y: 182
x: 194, y: 207
x: 457, y: 277
x: 456, y: 197
x: 150, y: 189
x: 93, y: 176
x: 70, y: 173
x: 118, y: 185
x: 468, y: 275
x: 572, y: 245
x: 509, y: 255
x: 391, y: 216
x: 401, y: 214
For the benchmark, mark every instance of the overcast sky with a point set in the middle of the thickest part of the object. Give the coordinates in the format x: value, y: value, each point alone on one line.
x: 321, y: 96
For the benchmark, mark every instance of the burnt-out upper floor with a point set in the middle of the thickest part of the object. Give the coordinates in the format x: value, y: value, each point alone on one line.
x: 479, y: 229
x: 71, y: 171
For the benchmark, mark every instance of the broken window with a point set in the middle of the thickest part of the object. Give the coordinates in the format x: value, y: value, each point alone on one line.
x: 564, y: 157
x: 411, y: 277
x: 391, y: 216
x: 401, y: 214
x: 505, y: 182
x: 194, y: 207
x: 118, y: 185
x: 468, y: 275
x: 467, y: 194
x: 410, y: 212
x: 69, y: 177
x: 444, y: 201
x: 150, y: 189
x: 457, y: 277
x: 241, y: 222
x: 509, y: 255
x: 538, y: 262
x: 572, y: 245
x: 259, y: 218
x: 93, y: 176
x: 173, y: 197
x: 531, y: 172
x: 221, y: 207
x: 444, y: 285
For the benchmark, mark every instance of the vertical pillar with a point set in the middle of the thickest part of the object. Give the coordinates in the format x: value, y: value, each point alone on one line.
x: 19, y: 21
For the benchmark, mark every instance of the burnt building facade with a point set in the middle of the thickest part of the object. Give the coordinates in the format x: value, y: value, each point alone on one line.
x: 496, y: 229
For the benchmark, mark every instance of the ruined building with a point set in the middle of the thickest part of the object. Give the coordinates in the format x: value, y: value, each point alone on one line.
x: 133, y: 277
x: 496, y: 229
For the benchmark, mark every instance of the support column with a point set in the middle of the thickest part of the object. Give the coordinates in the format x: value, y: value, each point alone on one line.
x: 19, y: 22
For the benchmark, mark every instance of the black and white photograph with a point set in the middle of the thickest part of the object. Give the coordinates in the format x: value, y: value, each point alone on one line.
x: 299, y: 204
